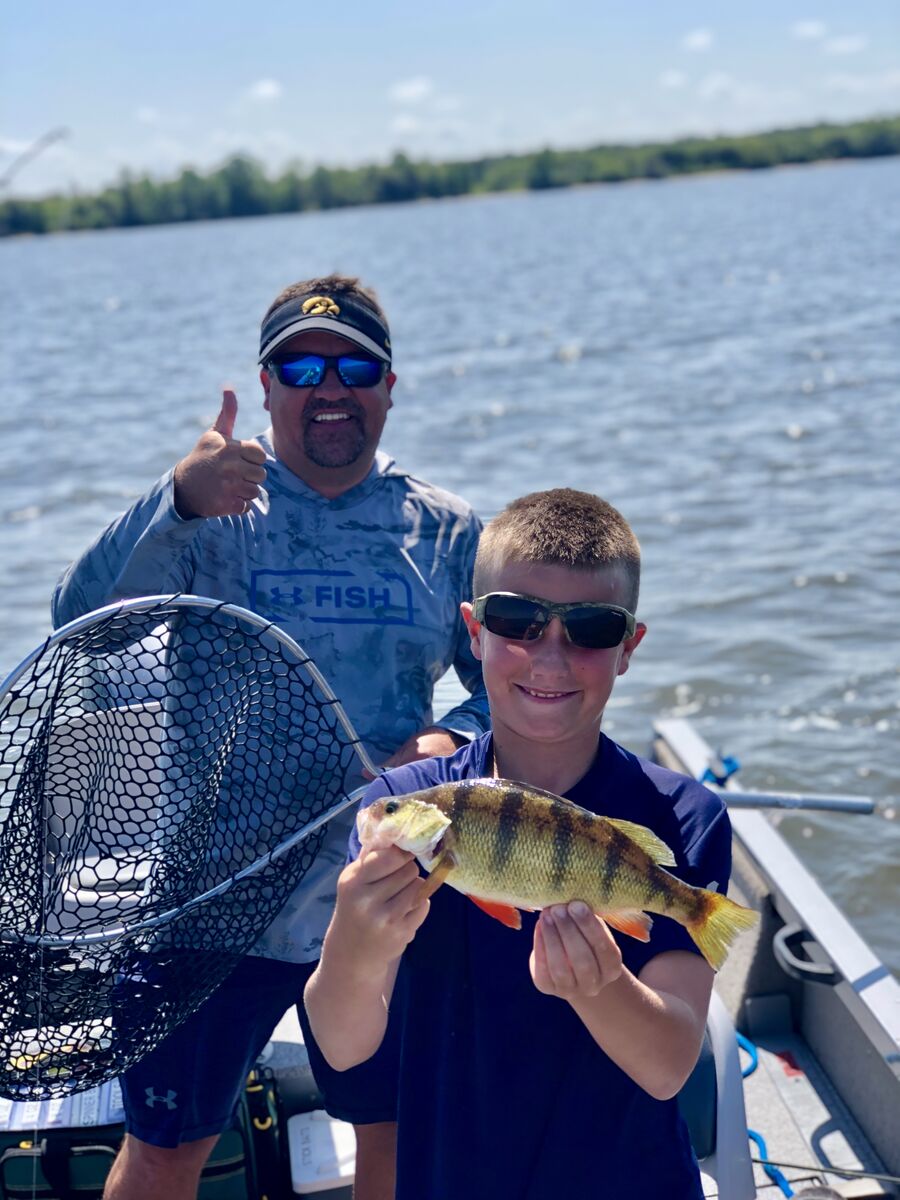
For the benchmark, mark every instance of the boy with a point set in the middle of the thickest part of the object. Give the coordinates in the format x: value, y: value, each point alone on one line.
x: 545, y: 1062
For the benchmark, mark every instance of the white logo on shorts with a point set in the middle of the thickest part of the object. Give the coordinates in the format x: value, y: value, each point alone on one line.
x: 168, y: 1099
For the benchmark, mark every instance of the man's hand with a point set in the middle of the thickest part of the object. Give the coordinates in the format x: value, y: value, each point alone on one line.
x: 380, y: 905
x: 575, y: 955
x: 221, y: 476
x: 432, y: 742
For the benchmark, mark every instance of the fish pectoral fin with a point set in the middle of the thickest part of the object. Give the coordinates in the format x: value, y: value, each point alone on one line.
x: 439, y: 872
x: 636, y: 924
x: 504, y: 913
x: 647, y: 840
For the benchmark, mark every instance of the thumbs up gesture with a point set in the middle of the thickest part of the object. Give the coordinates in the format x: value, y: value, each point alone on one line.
x: 221, y: 476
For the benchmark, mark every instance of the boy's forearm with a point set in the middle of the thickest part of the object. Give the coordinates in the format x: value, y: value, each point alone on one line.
x: 348, y: 1007
x: 652, y: 1035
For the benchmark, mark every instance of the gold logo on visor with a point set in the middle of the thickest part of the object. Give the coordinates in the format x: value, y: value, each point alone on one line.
x: 319, y: 306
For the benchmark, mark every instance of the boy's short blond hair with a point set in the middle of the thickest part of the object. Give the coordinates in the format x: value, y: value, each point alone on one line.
x: 561, y: 527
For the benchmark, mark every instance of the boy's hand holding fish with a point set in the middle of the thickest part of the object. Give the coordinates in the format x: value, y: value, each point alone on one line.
x: 381, y: 903
x: 574, y: 956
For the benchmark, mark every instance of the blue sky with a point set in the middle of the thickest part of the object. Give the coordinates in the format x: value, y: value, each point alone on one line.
x: 154, y: 87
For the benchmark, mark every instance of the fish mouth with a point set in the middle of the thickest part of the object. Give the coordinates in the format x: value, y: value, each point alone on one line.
x: 436, y: 848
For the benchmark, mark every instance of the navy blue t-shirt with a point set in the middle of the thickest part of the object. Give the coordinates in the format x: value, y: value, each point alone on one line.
x: 502, y: 1094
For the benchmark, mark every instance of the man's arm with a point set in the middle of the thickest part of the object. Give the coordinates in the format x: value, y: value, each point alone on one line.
x: 146, y: 551
x: 650, y: 1025
x: 380, y: 905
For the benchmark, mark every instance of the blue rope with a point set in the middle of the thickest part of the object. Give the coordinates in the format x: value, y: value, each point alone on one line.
x: 747, y: 1045
x: 770, y: 1169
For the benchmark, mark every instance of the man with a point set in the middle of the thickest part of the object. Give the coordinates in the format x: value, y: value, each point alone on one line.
x: 365, y: 566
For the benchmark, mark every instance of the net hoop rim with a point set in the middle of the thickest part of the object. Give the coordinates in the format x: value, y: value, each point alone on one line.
x: 188, y: 600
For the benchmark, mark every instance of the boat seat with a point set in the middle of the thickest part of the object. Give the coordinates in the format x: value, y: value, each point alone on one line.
x: 712, y: 1104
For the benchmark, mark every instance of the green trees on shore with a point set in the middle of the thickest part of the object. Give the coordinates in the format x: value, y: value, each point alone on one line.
x: 241, y: 187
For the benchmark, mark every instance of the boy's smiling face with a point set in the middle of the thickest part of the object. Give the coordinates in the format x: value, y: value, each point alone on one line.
x: 548, y: 691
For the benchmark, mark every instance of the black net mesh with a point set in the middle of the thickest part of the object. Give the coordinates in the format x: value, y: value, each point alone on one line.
x: 146, y: 759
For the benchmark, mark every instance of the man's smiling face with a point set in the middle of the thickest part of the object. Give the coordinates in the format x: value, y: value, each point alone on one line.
x: 326, y: 434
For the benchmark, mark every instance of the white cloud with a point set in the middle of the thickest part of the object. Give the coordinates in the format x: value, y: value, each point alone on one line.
x: 810, y: 31
x: 405, y: 124
x: 846, y: 45
x: 147, y: 115
x: 411, y: 91
x: 13, y: 145
x: 751, y: 97
x: 265, y: 90
x: 673, y: 79
x: 698, y: 39
x: 861, y: 85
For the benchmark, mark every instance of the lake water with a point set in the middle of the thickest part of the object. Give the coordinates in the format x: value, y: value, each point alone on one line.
x: 718, y: 356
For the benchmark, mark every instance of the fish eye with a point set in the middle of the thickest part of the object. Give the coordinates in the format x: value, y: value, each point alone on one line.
x: 391, y: 807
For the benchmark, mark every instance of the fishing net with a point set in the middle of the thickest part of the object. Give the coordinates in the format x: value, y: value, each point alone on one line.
x: 160, y: 762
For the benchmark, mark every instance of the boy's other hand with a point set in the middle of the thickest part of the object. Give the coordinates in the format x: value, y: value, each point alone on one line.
x: 380, y: 905
x: 575, y: 955
x: 221, y: 476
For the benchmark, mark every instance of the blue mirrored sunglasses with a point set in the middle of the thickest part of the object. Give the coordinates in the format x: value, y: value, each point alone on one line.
x: 308, y: 370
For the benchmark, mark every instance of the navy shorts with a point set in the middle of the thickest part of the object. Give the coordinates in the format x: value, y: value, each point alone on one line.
x: 190, y: 1086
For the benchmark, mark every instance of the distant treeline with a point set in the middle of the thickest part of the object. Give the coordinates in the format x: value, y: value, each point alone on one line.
x: 241, y: 187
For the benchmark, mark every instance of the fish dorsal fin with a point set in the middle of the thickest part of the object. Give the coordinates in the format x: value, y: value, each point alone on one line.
x: 636, y: 924
x: 646, y: 839
x: 504, y: 913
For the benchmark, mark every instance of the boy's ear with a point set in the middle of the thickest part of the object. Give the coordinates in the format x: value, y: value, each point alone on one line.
x: 474, y: 628
x: 630, y: 645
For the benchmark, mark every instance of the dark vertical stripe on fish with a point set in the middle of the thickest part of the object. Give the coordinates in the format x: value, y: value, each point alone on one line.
x: 507, y: 830
x: 616, y: 850
x: 460, y: 795
x: 563, y: 835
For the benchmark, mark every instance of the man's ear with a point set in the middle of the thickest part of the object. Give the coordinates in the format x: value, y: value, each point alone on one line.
x: 390, y: 379
x: 473, y: 626
x: 266, y: 380
x: 630, y: 645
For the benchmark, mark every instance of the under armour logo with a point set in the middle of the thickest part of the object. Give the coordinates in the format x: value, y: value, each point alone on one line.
x: 168, y: 1099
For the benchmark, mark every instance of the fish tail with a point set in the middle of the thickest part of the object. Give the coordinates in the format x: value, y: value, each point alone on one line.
x: 719, y: 922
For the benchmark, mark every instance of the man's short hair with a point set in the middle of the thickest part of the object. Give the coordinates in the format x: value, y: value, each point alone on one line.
x: 330, y: 285
x: 337, y: 304
x: 562, y: 527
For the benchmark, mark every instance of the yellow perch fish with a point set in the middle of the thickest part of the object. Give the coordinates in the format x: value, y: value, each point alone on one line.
x: 508, y: 846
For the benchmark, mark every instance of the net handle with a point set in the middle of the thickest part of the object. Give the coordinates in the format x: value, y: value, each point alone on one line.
x: 186, y: 600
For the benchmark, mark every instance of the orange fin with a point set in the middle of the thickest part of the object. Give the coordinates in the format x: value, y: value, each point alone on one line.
x: 504, y: 913
x: 636, y: 924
